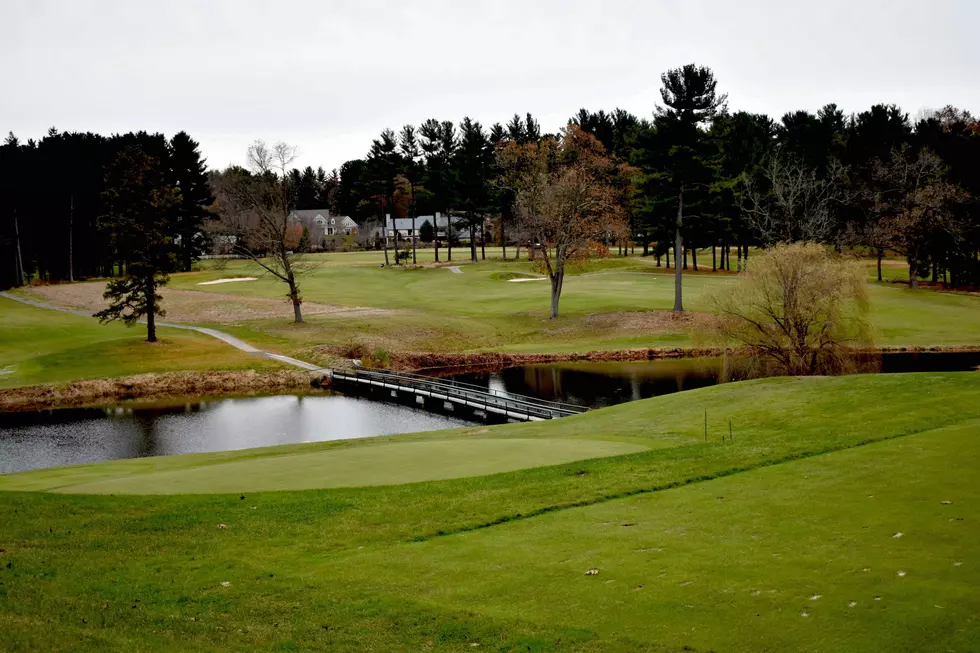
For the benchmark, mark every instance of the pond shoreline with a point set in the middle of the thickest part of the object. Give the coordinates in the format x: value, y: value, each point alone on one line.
x: 436, y: 364
x: 154, y: 387
x: 181, y: 385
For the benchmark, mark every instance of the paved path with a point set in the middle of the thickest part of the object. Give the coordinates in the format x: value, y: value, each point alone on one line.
x: 214, y: 333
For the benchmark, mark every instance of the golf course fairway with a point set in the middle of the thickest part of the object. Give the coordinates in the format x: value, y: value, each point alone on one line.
x: 840, y: 516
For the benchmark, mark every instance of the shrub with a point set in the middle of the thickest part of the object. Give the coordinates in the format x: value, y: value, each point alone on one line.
x: 797, y: 309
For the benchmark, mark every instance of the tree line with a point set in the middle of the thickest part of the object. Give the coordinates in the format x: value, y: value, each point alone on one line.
x: 61, y: 198
x: 728, y: 179
x: 693, y: 178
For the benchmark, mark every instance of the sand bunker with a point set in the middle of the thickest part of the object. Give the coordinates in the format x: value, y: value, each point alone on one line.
x: 211, y: 283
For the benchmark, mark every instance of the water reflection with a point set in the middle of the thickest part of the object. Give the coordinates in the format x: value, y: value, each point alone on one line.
x: 601, y: 384
x: 604, y: 384
x: 74, y: 436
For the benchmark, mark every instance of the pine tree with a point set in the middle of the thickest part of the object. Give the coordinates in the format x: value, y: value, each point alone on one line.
x: 305, y: 245
x: 678, y: 157
x: 472, y: 170
x: 189, y: 174
x: 142, y: 209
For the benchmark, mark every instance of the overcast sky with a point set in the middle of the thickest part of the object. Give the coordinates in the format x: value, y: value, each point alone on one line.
x: 328, y: 76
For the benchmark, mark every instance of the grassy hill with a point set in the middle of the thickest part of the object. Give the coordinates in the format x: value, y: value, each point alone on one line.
x: 839, y: 518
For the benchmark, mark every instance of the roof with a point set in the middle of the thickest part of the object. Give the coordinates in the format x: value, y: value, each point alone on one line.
x: 405, y: 224
x: 308, y: 215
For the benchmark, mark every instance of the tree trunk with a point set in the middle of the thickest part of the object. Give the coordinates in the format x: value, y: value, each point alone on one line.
x: 913, y: 277
x: 646, y: 251
x: 714, y: 259
x: 556, y: 282
x: 473, y: 242
x: 384, y: 240
x: 483, y: 241
x: 71, y: 240
x: 297, y: 302
x: 738, y: 257
x: 436, y: 220
x: 151, y: 309
x: 685, y: 257
x: 415, y: 235
x: 881, y: 253
x: 20, y: 255
x: 678, y: 252
x: 694, y: 258
x: 667, y: 255
x: 449, y: 238
x: 503, y: 239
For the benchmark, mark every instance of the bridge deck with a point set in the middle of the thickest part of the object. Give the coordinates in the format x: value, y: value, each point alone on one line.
x: 519, y: 407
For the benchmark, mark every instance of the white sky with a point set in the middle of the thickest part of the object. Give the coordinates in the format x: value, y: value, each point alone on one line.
x: 329, y: 75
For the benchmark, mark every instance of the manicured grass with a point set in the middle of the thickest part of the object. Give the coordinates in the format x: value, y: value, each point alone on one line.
x: 480, y: 310
x: 44, y: 346
x: 729, y: 541
x: 389, y: 464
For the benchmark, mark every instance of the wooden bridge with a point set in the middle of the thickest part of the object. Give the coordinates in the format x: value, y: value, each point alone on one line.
x: 451, y: 395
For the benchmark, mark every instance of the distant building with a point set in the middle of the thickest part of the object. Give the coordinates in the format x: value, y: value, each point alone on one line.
x: 321, y: 223
x: 403, y: 227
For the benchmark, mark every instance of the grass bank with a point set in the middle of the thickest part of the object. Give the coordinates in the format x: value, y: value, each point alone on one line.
x: 42, y: 346
x: 839, y: 518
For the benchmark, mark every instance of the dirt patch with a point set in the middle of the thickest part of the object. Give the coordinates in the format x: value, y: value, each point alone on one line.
x: 648, y: 321
x: 157, y: 386
x: 194, y: 305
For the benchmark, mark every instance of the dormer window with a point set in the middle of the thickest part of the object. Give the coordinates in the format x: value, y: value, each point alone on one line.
x: 320, y: 220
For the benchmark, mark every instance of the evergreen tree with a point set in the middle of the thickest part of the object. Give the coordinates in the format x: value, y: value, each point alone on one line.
x: 189, y: 174
x: 676, y: 154
x: 438, y: 143
x: 427, y: 232
x: 383, y: 167
x: 408, y: 147
x: 307, y: 192
x: 472, y: 167
x: 305, y: 245
x: 142, y: 210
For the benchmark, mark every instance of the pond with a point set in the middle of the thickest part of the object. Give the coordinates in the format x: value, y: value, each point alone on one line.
x: 605, y: 384
x: 71, y: 436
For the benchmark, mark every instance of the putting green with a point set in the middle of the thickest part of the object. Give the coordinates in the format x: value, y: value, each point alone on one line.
x: 384, y: 464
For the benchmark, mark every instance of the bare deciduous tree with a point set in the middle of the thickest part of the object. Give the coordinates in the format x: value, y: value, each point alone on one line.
x: 791, y: 203
x: 797, y: 307
x: 566, y: 198
x: 254, y: 207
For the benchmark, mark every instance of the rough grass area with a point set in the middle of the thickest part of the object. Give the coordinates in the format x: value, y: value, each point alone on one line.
x: 617, y: 303
x: 841, y: 517
x: 190, y: 306
x: 44, y: 346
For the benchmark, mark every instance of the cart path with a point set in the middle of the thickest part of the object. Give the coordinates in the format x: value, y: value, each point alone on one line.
x: 227, y: 338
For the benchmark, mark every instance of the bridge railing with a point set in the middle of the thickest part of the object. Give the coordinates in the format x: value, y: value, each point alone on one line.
x: 516, y: 403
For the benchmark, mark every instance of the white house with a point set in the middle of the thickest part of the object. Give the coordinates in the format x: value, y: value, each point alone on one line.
x: 403, y: 227
x: 320, y: 223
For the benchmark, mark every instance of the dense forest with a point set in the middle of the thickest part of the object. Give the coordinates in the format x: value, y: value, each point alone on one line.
x: 57, y: 217
x: 875, y: 180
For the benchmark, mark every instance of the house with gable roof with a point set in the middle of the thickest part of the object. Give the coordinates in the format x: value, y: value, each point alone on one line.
x: 321, y: 223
